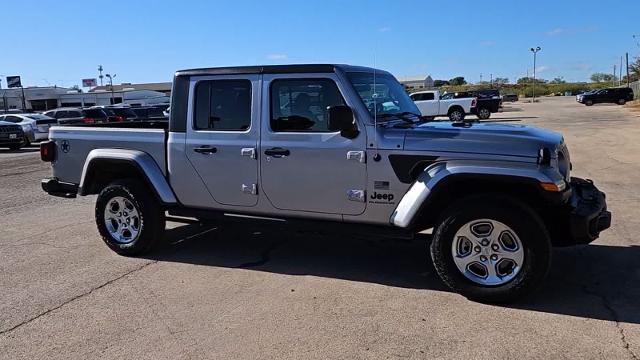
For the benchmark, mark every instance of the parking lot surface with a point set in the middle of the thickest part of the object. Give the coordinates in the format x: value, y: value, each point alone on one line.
x: 230, y: 292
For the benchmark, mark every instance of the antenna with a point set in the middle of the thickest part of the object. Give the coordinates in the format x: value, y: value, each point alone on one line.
x: 374, y: 95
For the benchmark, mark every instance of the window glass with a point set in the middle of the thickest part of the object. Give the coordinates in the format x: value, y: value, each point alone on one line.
x: 13, y: 119
x: 61, y: 114
x: 223, y: 105
x: 301, y: 104
x: 447, y: 96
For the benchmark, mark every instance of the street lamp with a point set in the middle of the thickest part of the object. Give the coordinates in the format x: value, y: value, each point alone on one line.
x: 111, y: 85
x: 535, y: 52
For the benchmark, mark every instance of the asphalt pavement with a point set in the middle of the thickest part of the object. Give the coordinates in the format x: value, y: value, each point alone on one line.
x: 229, y: 292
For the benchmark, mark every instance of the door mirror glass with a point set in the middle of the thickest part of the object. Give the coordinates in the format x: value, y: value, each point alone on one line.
x: 341, y: 119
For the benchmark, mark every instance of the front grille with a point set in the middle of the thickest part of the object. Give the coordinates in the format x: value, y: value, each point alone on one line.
x: 10, y: 129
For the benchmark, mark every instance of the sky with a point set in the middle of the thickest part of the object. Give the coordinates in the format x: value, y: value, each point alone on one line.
x: 60, y: 42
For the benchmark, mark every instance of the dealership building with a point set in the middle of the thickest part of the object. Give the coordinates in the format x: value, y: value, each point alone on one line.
x: 51, y: 97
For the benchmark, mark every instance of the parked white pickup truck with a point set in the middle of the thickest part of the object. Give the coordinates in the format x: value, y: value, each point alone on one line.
x: 433, y: 103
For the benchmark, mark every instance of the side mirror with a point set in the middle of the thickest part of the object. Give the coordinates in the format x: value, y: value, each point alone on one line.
x: 341, y: 119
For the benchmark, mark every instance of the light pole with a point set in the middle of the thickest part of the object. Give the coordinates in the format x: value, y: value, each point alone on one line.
x: 535, y: 52
x: 111, y: 85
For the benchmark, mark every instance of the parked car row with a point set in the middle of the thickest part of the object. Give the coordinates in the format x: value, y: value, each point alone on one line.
x: 106, y: 114
x: 610, y: 95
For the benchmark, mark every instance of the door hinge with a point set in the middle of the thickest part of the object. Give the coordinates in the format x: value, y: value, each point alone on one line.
x: 356, y: 195
x: 250, y: 152
x: 359, y: 156
x: 250, y: 189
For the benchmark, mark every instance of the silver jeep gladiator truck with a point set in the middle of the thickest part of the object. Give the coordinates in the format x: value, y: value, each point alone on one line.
x: 335, y: 147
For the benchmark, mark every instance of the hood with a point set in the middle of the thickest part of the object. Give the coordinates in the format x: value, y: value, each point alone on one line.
x: 487, y: 138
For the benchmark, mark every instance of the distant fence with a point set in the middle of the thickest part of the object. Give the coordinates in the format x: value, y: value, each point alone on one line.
x: 636, y: 88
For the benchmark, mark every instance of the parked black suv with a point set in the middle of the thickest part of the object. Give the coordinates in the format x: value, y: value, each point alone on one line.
x: 612, y: 95
x: 11, y: 135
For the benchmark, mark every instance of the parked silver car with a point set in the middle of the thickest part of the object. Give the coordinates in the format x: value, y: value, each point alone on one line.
x: 34, y: 126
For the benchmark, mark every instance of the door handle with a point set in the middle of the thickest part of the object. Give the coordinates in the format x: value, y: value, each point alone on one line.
x: 277, y: 152
x: 205, y: 149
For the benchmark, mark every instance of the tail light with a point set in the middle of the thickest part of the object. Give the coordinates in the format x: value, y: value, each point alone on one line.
x: 88, y: 120
x: 47, y: 150
x: 119, y: 118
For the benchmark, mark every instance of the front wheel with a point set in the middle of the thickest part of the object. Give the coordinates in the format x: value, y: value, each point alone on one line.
x: 622, y: 102
x: 491, y: 248
x: 588, y: 102
x: 484, y: 113
x: 129, y: 218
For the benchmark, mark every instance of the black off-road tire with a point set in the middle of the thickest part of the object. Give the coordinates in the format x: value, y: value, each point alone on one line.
x: 483, y: 113
x: 521, y: 219
x: 588, y: 102
x: 622, y: 101
x: 151, y: 216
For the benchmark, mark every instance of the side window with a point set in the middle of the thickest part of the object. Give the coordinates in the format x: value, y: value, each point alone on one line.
x: 13, y: 119
x: 223, y: 105
x: 447, y: 96
x: 61, y: 114
x: 300, y: 105
x: 428, y: 96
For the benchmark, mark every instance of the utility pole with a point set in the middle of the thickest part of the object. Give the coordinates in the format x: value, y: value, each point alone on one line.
x: 111, y: 86
x: 620, y: 77
x: 627, y: 56
x: 535, y: 52
x: 614, y: 75
x: 491, y: 80
x: 480, y: 77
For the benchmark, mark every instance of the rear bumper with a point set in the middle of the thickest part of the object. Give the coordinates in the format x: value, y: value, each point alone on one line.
x: 587, y: 215
x: 56, y: 188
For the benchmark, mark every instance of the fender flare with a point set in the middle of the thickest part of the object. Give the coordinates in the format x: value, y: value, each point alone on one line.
x: 139, y: 159
x: 436, y: 174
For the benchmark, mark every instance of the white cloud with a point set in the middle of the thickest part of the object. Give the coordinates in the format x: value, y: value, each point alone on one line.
x: 277, y: 56
x: 384, y: 29
x: 542, y: 68
x: 556, y: 31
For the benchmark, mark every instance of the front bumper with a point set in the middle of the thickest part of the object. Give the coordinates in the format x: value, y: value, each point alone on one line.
x: 61, y: 189
x: 587, y: 214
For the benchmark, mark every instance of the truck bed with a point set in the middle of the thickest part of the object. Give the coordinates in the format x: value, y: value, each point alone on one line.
x: 73, y: 144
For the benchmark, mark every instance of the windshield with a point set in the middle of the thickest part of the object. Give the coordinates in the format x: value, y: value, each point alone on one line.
x: 37, y: 117
x: 388, y: 98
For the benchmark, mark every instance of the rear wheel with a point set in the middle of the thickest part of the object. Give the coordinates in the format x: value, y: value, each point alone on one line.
x: 491, y: 248
x: 456, y: 114
x: 129, y: 219
x: 484, y: 113
x: 621, y: 101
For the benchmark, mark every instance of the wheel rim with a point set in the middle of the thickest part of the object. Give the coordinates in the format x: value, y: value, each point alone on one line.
x: 122, y: 219
x: 456, y: 115
x: 484, y: 113
x: 487, y: 252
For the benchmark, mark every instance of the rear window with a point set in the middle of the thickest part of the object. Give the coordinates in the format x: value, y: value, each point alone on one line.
x: 94, y: 113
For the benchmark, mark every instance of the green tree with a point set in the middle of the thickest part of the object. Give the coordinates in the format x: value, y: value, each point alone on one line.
x: 439, y: 83
x: 458, y: 80
x: 634, y: 70
x: 500, y: 81
x: 529, y: 80
x: 557, y: 80
x: 600, y: 77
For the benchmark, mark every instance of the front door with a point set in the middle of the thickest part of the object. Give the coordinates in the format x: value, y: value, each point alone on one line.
x: 304, y: 165
x: 222, y: 136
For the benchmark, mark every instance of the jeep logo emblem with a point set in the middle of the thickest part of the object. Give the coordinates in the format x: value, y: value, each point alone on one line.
x: 382, y: 196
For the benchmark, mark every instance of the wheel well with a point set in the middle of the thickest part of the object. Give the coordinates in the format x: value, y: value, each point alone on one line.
x: 103, y: 172
x: 445, y: 194
x: 455, y: 107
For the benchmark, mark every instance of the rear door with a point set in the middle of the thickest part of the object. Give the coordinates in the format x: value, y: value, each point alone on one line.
x: 222, y: 136
x: 426, y: 103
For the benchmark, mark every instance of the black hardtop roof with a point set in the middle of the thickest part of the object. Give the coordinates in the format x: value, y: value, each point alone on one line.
x: 275, y: 69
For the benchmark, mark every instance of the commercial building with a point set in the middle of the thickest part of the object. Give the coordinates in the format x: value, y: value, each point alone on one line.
x: 46, y: 98
x: 412, y: 83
